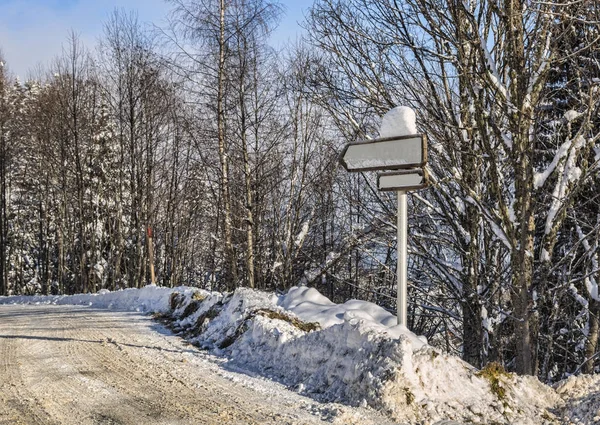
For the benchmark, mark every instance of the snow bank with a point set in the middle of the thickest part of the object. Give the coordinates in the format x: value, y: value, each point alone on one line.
x: 332, y: 352
x: 353, y: 353
x: 435, y: 387
x: 311, y: 306
x: 582, y: 399
x: 147, y: 299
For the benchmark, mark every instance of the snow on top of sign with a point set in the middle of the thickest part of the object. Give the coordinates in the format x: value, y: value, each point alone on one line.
x: 400, y: 121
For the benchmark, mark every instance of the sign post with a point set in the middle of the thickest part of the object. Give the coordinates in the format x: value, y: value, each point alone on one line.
x: 404, y: 152
x: 402, y: 258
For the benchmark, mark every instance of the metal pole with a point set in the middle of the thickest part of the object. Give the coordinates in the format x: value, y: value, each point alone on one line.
x: 402, y: 258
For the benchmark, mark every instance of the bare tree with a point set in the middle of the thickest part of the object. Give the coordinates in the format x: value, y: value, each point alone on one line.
x: 4, y: 159
x: 475, y: 72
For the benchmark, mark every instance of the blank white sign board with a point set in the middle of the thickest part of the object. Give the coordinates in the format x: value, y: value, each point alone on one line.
x: 393, y: 153
x: 403, y: 180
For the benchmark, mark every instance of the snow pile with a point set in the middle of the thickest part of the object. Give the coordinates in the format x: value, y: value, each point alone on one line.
x: 356, y: 353
x: 311, y: 306
x: 435, y: 387
x: 231, y: 315
x: 148, y: 299
x: 332, y: 352
x: 400, y: 121
x: 582, y: 397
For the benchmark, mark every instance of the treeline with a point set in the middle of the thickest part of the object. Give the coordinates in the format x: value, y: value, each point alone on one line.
x: 228, y: 151
x: 208, y: 141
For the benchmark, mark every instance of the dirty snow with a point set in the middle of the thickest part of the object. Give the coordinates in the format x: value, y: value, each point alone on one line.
x: 583, y: 399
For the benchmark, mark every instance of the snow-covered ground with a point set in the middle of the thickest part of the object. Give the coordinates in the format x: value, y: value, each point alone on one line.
x: 353, y: 353
x: 73, y: 365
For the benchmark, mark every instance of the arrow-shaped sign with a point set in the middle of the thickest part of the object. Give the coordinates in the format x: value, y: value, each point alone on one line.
x: 393, y: 153
x: 403, y: 180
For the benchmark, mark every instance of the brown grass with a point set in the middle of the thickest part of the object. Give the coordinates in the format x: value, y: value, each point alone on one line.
x: 494, y: 373
x: 303, y: 326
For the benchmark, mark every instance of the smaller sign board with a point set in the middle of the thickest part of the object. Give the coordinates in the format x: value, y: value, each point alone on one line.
x: 392, y: 153
x: 403, y: 180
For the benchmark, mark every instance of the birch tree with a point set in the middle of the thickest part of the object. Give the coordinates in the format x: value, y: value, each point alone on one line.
x: 4, y: 167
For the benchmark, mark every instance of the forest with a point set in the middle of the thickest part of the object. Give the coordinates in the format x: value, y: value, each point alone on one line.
x: 199, y: 145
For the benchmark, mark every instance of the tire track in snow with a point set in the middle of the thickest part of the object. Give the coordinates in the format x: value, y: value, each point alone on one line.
x: 16, y: 405
x: 77, y: 372
x: 128, y: 377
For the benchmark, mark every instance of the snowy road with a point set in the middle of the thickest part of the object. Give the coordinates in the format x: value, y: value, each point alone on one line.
x: 72, y: 365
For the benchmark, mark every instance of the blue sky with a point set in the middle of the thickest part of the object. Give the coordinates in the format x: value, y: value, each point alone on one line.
x: 32, y: 31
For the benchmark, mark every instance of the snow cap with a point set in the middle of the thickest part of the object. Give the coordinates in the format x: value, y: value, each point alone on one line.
x: 399, y: 121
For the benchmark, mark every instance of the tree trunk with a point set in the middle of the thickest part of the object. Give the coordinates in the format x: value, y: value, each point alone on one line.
x: 3, y: 208
x: 243, y: 61
x: 592, y: 340
x: 223, y: 156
